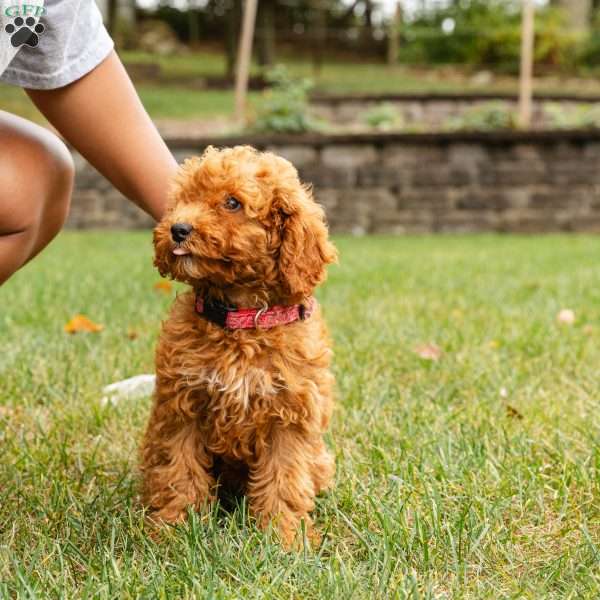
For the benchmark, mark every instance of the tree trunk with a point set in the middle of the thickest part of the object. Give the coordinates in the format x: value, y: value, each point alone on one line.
x: 193, y: 25
x: 266, y: 33
x: 113, y: 10
x: 319, y: 35
x: 367, y: 28
x: 233, y: 23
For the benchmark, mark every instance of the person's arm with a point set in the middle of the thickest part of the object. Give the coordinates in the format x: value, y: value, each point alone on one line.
x: 103, y: 118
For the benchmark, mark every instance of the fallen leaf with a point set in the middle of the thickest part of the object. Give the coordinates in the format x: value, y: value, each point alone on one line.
x: 566, y: 316
x: 6, y: 411
x: 81, y: 323
x: 163, y: 286
x: 512, y: 412
x: 428, y: 351
x: 132, y: 334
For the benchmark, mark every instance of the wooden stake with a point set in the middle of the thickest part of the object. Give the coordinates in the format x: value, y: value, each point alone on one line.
x: 393, y: 47
x: 526, y: 76
x: 244, y: 58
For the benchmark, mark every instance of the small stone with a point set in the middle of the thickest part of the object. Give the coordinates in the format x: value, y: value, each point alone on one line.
x: 428, y: 352
x: 566, y: 316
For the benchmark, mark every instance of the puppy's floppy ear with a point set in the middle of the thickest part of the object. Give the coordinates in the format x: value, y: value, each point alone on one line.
x: 305, y: 249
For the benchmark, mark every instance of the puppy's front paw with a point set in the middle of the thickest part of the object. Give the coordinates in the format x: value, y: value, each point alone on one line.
x: 167, y: 516
x: 292, y: 531
x: 176, y: 509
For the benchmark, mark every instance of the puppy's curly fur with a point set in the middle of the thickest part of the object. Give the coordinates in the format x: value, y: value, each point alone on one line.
x: 245, y: 408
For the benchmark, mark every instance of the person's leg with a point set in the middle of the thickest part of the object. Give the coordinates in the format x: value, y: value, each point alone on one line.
x: 36, y: 180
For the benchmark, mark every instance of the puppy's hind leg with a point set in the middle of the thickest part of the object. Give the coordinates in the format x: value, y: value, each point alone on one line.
x: 175, y: 466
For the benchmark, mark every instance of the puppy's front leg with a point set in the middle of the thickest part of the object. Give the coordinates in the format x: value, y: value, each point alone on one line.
x: 175, y: 464
x: 281, y: 488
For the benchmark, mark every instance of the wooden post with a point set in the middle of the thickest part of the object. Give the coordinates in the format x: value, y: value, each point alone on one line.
x: 393, y: 47
x: 526, y: 76
x: 244, y: 58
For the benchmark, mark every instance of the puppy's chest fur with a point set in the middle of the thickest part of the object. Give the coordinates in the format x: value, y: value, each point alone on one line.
x: 240, y: 384
x: 238, y: 403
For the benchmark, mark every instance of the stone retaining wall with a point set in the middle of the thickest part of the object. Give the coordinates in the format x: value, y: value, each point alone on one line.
x: 391, y: 183
x: 436, y: 112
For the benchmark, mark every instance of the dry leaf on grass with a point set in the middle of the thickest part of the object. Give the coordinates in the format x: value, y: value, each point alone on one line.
x: 428, y: 351
x: 512, y: 412
x: 81, y: 323
x: 566, y: 316
x: 132, y: 334
x: 163, y: 286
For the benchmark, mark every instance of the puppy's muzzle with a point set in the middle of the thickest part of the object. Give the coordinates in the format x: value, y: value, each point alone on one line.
x: 180, y: 231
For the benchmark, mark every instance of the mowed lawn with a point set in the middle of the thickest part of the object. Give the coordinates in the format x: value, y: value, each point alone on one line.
x: 473, y: 476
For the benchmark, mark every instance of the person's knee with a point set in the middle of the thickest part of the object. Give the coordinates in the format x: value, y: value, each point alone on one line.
x: 36, y: 177
x: 58, y: 200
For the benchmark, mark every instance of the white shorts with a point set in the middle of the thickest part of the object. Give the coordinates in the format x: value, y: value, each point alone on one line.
x: 46, y: 44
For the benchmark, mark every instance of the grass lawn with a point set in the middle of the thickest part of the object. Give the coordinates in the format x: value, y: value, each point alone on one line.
x: 473, y: 476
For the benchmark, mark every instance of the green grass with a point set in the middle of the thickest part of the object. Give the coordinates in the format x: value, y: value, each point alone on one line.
x: 14, y: 100
x: 446, y: 486
x: 163, y: 102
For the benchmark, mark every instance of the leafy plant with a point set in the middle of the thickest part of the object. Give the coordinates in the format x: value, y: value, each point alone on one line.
x: 487, y: 117
x: 488, y: 33
x: 382, y: 117
x: 585, y: 116
x: 284, y: 106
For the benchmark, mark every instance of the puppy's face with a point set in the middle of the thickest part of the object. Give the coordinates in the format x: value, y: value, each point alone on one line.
x: 239, y: 217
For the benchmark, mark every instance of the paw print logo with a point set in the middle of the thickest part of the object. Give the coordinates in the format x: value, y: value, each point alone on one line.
x: 24, y: 32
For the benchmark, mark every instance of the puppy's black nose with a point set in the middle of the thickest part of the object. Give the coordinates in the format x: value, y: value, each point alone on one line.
x: 180, y: 231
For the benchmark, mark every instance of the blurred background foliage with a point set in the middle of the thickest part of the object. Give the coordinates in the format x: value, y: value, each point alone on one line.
x: 479, y: 33
x: 487, y: 33
x: 181, y: 55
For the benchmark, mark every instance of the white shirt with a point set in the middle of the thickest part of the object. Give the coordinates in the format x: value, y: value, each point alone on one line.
x: 46, y: 44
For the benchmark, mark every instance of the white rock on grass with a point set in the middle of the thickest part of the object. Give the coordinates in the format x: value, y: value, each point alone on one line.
x: 566, y: 316
x: 133, y: 388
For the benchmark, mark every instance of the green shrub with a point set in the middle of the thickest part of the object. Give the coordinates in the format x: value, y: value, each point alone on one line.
x: 488, y: 33
x: 487, y: 117
x: 382, y: 117
x: 585, y: 116
x: 590, y: 50
x: 284, y: 106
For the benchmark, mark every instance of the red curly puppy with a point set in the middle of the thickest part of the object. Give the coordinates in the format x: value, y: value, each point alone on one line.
x: 243, y: 390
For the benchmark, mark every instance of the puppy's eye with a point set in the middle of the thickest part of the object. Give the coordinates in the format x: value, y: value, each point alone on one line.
x: 232, y: 204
